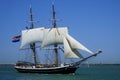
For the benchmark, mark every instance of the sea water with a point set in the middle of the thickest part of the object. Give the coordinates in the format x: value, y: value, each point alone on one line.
x: 96, y: 72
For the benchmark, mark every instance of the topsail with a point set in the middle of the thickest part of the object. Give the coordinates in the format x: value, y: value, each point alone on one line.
x: 54, y: 36
x: 31, y: 36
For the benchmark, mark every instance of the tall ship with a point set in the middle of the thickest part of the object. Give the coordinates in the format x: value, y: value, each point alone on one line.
x: 58, y: 41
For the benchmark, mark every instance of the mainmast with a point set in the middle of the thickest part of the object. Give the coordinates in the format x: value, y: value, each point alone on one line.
x: 54, y: 15
x: 32, y: 46
x: 54, y: 26
x: 31, y: 19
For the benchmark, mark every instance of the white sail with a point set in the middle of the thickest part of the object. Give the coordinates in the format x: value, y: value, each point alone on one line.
x: 31, y: 36
x: 54, y: 36
x: 67, y: 50
x: 77, y: 53
x: 77, y: 45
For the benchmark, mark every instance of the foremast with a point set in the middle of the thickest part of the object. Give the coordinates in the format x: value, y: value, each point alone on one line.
x: 32, y: 45
x: 54, y: 26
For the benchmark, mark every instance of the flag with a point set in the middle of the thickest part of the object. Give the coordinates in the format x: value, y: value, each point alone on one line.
x: 16, y: 38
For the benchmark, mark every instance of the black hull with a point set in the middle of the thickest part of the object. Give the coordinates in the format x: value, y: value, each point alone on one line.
x: 55, y: 70
x: 60, y: 70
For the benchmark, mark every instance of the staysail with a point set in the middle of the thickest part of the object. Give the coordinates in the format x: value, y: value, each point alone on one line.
x: 32, y: 35
x: 67, y: 50
x: 77, y: 45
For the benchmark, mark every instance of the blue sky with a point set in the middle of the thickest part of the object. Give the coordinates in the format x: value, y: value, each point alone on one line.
x: 94, y: 23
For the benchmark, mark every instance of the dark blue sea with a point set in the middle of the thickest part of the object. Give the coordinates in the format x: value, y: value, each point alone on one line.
x: 96, y: 72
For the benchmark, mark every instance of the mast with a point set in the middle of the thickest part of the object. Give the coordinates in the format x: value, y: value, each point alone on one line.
x: 32, y: 46
x: 31, y: 19
x: 54, y: 26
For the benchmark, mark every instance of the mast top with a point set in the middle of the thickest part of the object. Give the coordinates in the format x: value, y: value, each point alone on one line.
x: 31, y: 18
x: 54, y: 14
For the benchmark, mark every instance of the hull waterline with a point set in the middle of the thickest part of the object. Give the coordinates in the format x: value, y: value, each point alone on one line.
x: 56, y: 70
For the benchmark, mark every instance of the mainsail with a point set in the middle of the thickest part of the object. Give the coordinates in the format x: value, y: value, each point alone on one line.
x: 31, y: 36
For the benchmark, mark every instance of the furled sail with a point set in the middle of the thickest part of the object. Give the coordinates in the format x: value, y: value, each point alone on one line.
x: 31, y: 36
x: 77, y: 45
x: 54, y: 36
